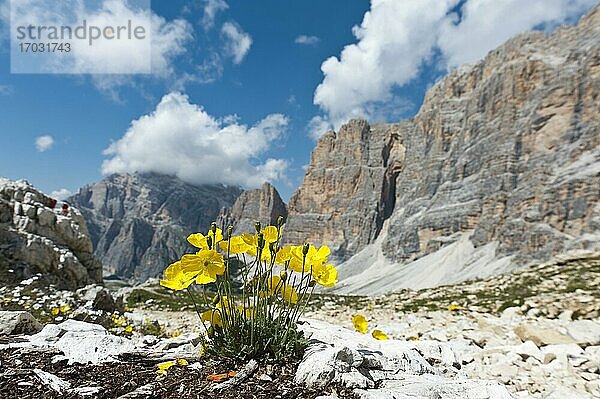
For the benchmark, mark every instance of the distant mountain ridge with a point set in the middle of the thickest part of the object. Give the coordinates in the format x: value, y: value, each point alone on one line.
x: 138, y: 222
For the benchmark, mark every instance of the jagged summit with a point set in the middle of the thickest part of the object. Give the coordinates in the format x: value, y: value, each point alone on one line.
x: 262, y: 204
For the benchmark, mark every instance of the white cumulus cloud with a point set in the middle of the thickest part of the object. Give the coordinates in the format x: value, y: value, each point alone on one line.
x: 44, y: 143
x: 61, y: 194
x: 237, y: 42
x: 396, y: 38
x: 317, y: 126
x: 309, y: 40
x: 182, y: 139
x: 211, y: 9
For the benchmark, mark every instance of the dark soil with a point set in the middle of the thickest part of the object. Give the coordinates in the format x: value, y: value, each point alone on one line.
x: 18, y: 381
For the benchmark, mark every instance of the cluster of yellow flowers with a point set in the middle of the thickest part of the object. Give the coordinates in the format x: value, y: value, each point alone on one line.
x: 276, y: 284
x: 204, y: 266
x: 63, y: 309
x: 121, y: 322
x: 362, y: 326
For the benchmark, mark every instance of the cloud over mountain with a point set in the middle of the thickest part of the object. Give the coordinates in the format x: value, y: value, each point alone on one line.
x: 180, y: 138
x: 396, y: 38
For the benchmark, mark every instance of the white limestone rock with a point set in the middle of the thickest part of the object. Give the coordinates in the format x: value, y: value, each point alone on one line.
x: 18, y: 323
x: 398, y: 369
x: 584, y: 332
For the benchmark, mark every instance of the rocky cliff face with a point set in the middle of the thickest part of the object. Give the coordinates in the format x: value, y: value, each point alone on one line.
x: 138, y: 223
x: 506, y: 152
x: 263, y: 204
x: 37, y: 237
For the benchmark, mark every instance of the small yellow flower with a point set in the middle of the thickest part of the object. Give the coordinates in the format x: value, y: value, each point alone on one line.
x: 236, y: 245
x: 65, y: 308
x: 454, y: 308
x: 181, y: 362
x: 379, y: 335
x: 270, y: 235
x: 175, y: 278
x: 360, y: 323
x: 213, y: 317
x: 54, y: 312
x: 315, y: 257
x: 326, y: 275
x: 200, y: 241
x: 204, y: 265
x: 129, y: 329
x: 289, y: 294
x: 164, y: 366
x: 119, y: 321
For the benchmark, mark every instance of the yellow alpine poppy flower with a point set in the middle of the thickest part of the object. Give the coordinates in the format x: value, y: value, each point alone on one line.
x: 200, y: 241
x: 274, y: 284
x: 326, y: 275
x: 269, y: 235
x: 236, y: 245
x: 283, y: 255
x: 182, y: 362
x: 213, y: 317
x: 203, y: 265
x: 247, y: 311
x: 360, y: 323
x: 286, y: 254
x: 314, y: 257
x: 54, y: 312
x: 289, y: 294
x: 175, y: 277
x: 164, y: 366
x: 380, y: 335
x: 454, y: 308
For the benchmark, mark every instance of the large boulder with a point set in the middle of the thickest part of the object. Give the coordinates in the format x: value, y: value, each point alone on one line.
x: 12, y: 323
x: 39, y: 237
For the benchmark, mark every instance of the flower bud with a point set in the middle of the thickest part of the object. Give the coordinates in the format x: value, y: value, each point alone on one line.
x: 213, y: 228
x: 257, y: 226
x: 229, y: 232
x: 312, y: 283
x: 280, y: 221
x: 261, y: 241
x: 209, y: 242
x: 216, y: 299
x: 272, y: 247
x: 283, y: 275
x: 305, y: 248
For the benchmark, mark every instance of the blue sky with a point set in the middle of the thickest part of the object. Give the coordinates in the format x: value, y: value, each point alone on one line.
x: 266, y: 62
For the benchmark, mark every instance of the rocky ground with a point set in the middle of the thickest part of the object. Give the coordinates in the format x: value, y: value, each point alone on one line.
x: 532, y: 333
